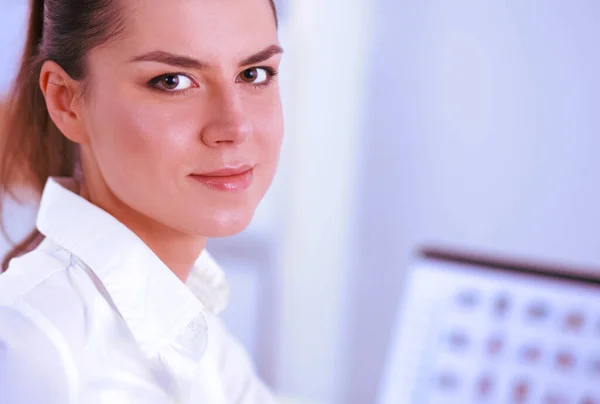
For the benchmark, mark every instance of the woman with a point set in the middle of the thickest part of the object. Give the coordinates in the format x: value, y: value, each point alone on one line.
x: 153, y: 125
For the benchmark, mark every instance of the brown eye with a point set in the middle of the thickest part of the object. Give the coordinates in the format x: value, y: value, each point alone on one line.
x: 172, y: 82
x: 255, y: 75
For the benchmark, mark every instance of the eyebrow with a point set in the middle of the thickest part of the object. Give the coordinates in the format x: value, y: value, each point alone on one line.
x: 191, y: 63
x: 171, y: 59
x: 262, y: 56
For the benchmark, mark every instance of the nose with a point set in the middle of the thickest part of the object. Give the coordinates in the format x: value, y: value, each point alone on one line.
x: 229, y: 124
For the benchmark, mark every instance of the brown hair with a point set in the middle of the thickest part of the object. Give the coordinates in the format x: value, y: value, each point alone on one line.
x: 32, y: 149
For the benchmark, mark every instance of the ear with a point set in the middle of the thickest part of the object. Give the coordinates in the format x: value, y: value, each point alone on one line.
x: 63, y: 100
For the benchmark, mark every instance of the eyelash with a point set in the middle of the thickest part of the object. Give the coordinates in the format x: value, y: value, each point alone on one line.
x: 153, y: 83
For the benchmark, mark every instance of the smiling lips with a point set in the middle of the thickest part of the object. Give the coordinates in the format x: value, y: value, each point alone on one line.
x: 227, y: 179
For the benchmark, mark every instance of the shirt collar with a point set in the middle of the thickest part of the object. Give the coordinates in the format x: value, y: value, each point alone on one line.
x: 155, y: 304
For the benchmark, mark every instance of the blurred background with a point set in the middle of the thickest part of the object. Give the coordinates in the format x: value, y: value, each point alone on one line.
x: 466, y: 124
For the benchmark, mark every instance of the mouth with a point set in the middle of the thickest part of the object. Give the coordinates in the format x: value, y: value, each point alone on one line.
x: 227, y: 179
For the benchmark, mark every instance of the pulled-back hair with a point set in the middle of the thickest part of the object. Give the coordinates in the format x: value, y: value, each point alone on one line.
x: 32, y: 147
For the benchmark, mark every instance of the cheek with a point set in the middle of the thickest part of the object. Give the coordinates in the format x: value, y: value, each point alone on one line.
x: 141, y: 135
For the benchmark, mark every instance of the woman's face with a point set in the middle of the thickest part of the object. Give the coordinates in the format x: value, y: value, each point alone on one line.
x: 183, y: 116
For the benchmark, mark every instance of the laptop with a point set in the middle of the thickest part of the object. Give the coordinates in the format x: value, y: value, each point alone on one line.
x: 481, y: 329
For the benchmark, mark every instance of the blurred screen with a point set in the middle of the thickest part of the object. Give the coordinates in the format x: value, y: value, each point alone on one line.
x: 471, y: 333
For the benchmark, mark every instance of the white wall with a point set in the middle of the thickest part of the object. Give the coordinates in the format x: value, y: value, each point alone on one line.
x: 326, y: 43
x: 482, y: 132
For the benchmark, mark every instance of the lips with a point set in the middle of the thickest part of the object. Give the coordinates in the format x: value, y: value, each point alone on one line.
x: 227, y: 179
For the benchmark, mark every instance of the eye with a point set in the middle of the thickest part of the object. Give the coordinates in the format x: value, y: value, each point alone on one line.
x: 172, y: 82
x: 256, y: 75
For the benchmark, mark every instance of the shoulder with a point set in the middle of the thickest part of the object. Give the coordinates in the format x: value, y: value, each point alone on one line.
x: 28, y: 357
x: 33, y: 272
x: 41, y: 325
x: 53, y: 290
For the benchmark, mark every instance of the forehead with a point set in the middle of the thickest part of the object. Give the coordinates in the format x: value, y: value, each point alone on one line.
x: 201, y: 28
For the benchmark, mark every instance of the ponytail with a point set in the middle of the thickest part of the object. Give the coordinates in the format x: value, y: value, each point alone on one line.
x: 31, y: 147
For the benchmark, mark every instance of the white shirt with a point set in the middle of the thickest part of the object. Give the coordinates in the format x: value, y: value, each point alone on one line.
x: 93, y: 316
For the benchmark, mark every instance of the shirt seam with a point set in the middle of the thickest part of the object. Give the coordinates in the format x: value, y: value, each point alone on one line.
x: 38, y: 282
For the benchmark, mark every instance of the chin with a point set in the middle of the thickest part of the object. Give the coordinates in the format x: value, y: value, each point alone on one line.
x: 225, y: 225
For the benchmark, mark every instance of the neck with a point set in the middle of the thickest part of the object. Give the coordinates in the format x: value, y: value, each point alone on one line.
x: 177, y: 250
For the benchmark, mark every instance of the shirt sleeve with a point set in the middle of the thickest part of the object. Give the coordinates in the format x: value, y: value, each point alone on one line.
x: 242, y: 385
x: 31, y: 368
